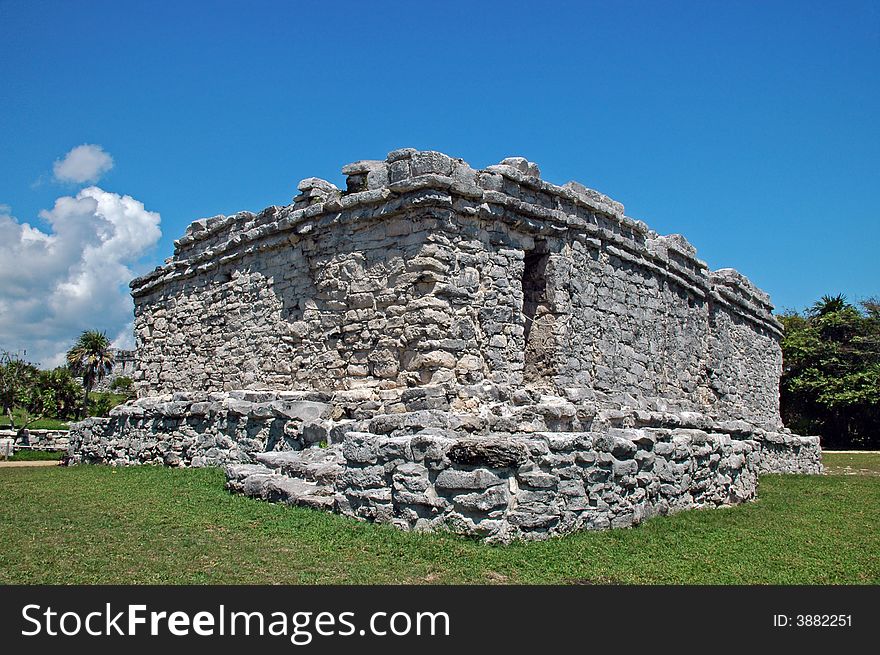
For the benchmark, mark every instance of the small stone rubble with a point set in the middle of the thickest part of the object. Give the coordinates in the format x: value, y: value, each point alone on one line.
x: 439, y: 347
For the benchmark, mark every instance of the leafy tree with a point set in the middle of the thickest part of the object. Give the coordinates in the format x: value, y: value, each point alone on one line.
x: 16, y: 380
x: 54, y: 393
x: 92, y: 359
x: 831, y: 372
x: 123, y: 384
x: 828, y: 305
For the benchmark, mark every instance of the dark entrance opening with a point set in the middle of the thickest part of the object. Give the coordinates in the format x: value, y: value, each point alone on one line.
x: 536, y: 314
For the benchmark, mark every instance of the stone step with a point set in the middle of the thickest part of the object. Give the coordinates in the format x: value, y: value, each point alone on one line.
x: 277, y: 488
x: 293, y: 491
x: 319, y: 465
x: 238, y: 472
x: 296, y: 477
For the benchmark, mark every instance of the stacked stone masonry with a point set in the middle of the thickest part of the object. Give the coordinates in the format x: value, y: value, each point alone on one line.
x: 38, y: 439
x: 430, y: 309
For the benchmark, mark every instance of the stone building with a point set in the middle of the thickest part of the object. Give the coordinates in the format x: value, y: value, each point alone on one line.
x: 442, y: 347
x: 123, y: 367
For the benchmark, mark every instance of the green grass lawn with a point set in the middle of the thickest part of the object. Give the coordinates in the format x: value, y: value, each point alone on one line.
x: 42, y: 424
x: 852, y: 463
x: 93, y: 524
x: 36, y: 455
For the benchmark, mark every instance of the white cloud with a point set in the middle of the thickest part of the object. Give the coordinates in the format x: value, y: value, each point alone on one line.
x: 84, y: 164
x: 124, y: 340
x: 73, y: 277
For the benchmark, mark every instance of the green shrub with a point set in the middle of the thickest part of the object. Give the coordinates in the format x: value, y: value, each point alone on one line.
x: 122, y: 385
x: 101, y: 402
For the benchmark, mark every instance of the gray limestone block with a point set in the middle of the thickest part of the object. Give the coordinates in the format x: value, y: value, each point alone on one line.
x: 280, y: 488
x: 254, y: 485
x: 484, y: 501
x: 411, y: 477
x: 361, y: 447
x: 393, y: 448
x: 239, y: 407
x: 488, y: 451
x: 431, y: 162
x: 317, y: 183
x: 362, y: 166
x: 302, y: 410
x: 532, y: 520
x: 537, y: 479
x: 366, y: 477
x: 426, y: 501
x: 567, y: 441
x: 241, y: 471
x: 205, y: 408
x: 261, y: 411
x: 616, y: 445
x: 522, y: 165
x: 408, y: 421
x: 585, y: 458
x: 664, y: 449
x: 252, y: 395
x: 419, y: 398
x: 459, y: 479
x: 400, y: 153
x: 737, y: 427
x: 174, y: 409
x: 624, y: 520
x: 127, y: 409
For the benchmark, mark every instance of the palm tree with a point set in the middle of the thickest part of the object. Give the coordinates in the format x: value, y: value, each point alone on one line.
x: 91, y: 358
x: 829, y: 305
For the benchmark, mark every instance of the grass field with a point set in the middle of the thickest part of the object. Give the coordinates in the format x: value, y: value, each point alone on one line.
x: 36, y: 455
x: 91, y: 524
x: 42, y: 424
x: 852, y: 463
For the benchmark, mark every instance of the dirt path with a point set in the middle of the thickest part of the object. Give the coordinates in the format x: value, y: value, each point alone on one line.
x: 5, y: 464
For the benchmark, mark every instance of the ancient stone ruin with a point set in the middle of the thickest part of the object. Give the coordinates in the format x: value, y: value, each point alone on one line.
x: 439, y: 347
x: 123, y: 366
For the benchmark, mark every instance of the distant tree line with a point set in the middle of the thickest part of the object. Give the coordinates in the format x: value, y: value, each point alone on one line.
x: 28, y: 394
x: 831, y: 372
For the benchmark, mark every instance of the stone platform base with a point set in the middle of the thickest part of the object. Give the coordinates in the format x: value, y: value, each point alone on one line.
x: 501, y: 471
x: 504, y: 488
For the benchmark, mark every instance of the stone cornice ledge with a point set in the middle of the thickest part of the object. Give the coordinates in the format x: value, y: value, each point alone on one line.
x: 408, y: 177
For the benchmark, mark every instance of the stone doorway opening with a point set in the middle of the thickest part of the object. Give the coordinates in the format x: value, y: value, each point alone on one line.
x: 537, y: 321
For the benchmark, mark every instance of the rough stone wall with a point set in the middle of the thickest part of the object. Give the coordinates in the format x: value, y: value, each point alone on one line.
x: 305, y: 315
x: 544, y: 483
x: 437, y: 346
x: 39, y: 439
x: 744, y: 368
x: 417, y: 277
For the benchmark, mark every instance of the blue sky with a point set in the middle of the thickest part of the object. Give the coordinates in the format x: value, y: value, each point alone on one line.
x: 749, y: 127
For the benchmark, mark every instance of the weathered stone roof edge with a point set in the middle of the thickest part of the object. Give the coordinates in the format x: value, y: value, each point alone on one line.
x: 408, y: 177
